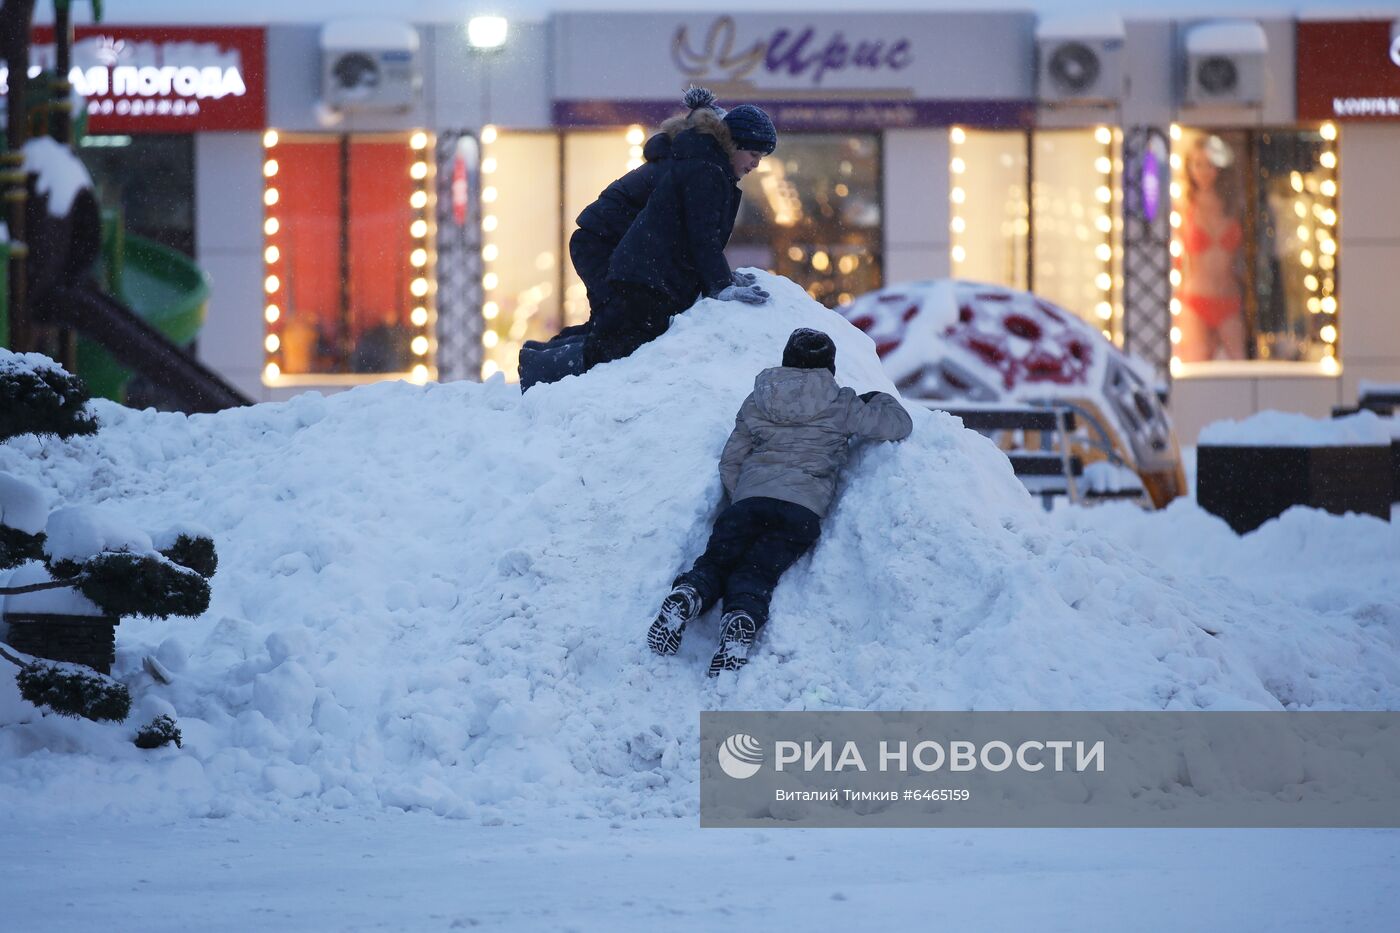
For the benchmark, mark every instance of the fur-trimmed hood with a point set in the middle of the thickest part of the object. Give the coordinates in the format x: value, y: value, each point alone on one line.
x: 704, y: 120
x: 707, y: 140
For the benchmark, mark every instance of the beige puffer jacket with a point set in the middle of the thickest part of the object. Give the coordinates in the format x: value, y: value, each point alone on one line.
x: 792, y: 436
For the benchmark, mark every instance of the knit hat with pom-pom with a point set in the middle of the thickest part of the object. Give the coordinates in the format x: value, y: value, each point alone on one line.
x: 697, y: 97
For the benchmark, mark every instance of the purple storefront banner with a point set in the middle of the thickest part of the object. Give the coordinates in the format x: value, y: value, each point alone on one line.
x: 823, y: 115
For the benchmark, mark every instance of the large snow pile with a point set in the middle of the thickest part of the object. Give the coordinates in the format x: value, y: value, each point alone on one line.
x: 437, y: 596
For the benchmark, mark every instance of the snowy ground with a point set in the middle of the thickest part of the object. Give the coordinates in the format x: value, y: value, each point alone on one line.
x: 419, y: 872
x: 421, y: 696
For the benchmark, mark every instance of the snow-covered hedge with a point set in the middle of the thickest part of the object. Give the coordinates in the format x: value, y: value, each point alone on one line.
x: 81, y: 560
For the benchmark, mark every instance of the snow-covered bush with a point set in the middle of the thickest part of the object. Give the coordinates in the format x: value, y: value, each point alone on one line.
x: 37, y: 396
x: 118, y: 570
x: 158, y: 732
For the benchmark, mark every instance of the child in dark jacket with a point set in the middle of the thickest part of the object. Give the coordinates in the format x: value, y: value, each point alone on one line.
x: 602, y: 224
x: 601, y: 227
x: 674, y: 251
x: 779, y: 467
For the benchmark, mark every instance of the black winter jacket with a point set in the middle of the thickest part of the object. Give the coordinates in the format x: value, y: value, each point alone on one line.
x: 612, y: 213
x: 676, y: 244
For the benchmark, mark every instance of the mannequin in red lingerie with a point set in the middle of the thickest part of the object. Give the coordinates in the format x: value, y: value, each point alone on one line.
x: 1212, y: 308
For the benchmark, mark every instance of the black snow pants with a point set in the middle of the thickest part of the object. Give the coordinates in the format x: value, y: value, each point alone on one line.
x: 591, y: 255
x: 634, y: 315
x: 753, y: 542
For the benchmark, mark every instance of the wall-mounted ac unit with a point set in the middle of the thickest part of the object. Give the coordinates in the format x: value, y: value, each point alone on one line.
x: 370, y: 65
x: 1225, y: 63
x: 1079, y: 59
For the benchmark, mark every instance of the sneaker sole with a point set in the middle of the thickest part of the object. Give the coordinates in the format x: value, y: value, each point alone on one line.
x: 664, y: 639
x: 721, y: 663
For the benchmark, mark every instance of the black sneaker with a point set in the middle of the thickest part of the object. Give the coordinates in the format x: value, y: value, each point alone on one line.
x: 678, y: 610
x: 736, y: 637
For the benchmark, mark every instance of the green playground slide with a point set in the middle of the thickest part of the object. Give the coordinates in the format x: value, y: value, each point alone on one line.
x: 161, y: 286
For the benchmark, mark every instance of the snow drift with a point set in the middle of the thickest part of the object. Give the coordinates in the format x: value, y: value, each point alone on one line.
x: 436, y: 597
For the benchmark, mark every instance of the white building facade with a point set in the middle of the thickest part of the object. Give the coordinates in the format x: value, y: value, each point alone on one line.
x: 404, y: 209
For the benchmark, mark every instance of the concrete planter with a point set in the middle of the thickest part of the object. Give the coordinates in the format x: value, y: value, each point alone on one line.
x: 1247, y: 485
x: 89, y: 640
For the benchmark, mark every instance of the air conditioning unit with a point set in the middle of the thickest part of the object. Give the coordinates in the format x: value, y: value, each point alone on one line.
x: 370, y: 65
x: 1225, y: 63
x: 1079, y: 59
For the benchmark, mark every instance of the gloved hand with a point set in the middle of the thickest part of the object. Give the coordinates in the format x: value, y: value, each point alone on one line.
x: 748, y: 294
x: 743, y: 278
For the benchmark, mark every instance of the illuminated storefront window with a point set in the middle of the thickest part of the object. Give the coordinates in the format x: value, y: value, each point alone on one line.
x: 348, y: 255
x: 522, y: 239
x: 594, y: 160
x: 811, y: 212
x: 1075, y: 201
x: 989, y: 213
x: 1255, y: 254
x: 1063, y: 241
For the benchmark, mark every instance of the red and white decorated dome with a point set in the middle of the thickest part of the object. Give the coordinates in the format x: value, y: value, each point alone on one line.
x: 955, y: 339
x: 948, y: 339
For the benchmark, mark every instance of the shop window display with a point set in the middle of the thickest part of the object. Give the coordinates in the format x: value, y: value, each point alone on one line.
x: 593, y: 160
x: 1061, y: 242
x: 812, y: 212
x: 346, y: 279
x: 522, y: 239
x: 150, y: 180
x: 989, y: 213
x: 1254, y: 246
x: 1074, y: 203
x: 1209, y: 248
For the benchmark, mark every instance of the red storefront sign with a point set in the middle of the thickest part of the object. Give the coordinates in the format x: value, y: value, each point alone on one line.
x: 1349, y: 70
x: 165, y: 79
